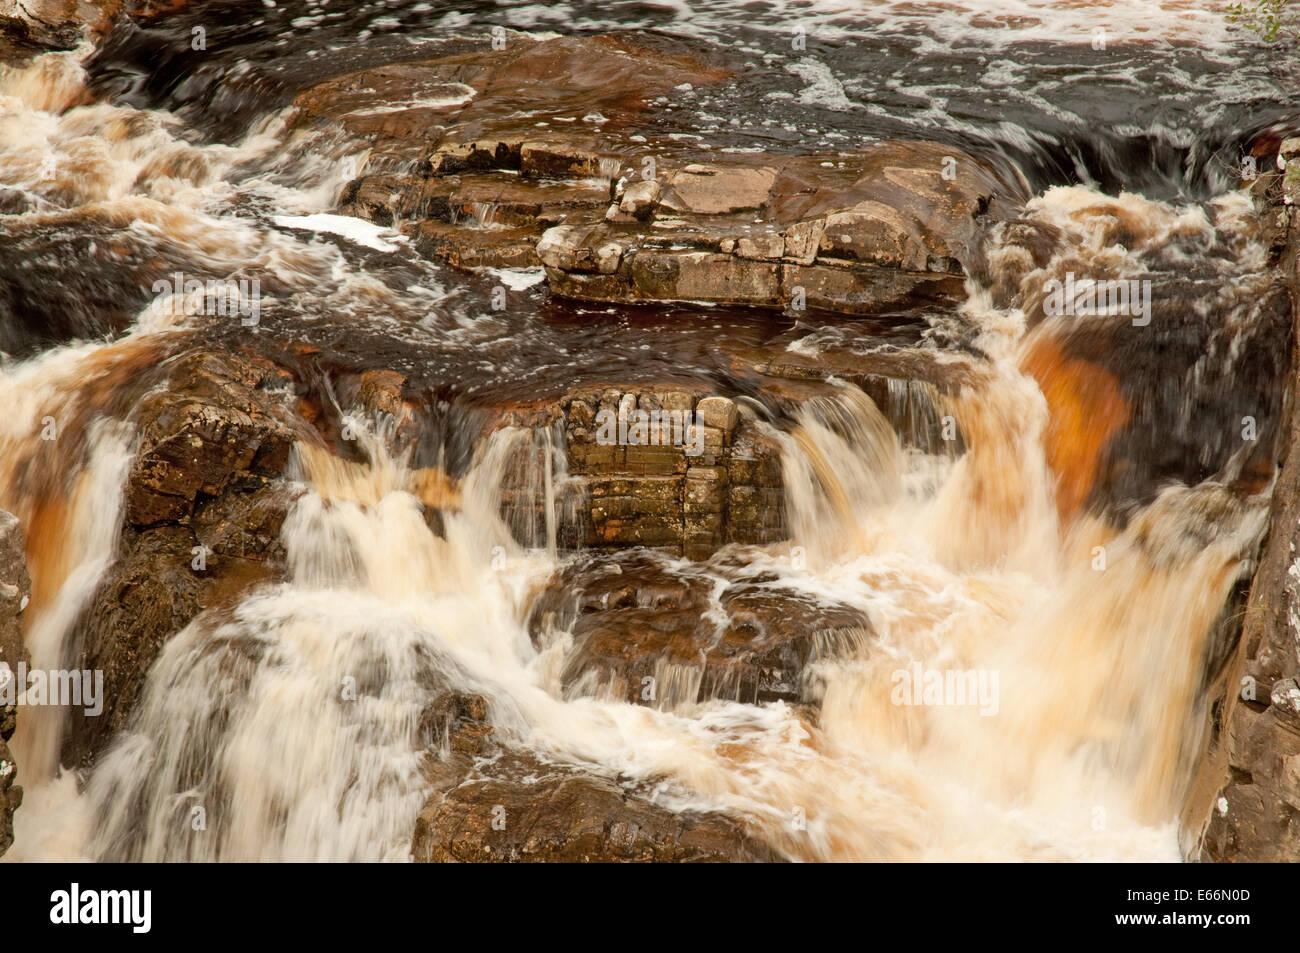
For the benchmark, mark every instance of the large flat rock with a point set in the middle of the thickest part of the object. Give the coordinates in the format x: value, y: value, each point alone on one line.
x: 553, y: 151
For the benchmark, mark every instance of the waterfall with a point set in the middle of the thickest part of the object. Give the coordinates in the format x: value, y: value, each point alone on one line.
x: 1023, y: 518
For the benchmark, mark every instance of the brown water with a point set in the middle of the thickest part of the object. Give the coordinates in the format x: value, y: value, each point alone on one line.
x: 1068, y: 566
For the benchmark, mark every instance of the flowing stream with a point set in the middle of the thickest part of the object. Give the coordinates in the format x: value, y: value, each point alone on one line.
x: 1085, y: 635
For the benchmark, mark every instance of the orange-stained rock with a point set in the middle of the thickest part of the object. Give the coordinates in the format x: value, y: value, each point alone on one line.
x: 1085, y: 409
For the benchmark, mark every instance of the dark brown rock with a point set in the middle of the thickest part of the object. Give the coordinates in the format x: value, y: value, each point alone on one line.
x: 494, y: 803
x: 460, y: 113
x: 11, y: 796
x: 1245, y: 801
x: 211, y: 430
x: 476, y: 248
x: 653, y: 633
x: 15, y: 589
x: 33, y: 27
x: 204, y: 507
x: 548, y: 813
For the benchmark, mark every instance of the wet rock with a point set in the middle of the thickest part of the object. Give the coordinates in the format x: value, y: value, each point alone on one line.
x: 717, y: 189
x: 158, y: 585
x: 867, y: 289
x: 495, y: 803
x: 561, y: 159
x: 15, y: 590
x: 205, y: 503
x: 456, y: 722
x: 212, y: 429
x: 11, y: 794
x: 657, y: 470
x: 1245, y: 801
x: 473, y: 201
x: 456, y: 158
x: 652, y: 632
x: 719, y: 412
x: 668, y: 275
x: 42, y: 26
x: 468, y: 248
x: 521, y: 810
x: 893, y: 230
x: 856, y: 232
x: 461, y: 113
x: 381, y: 391
x: 636, y: 204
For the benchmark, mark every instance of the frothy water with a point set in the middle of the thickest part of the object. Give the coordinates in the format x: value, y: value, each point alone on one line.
x: 291, y: 724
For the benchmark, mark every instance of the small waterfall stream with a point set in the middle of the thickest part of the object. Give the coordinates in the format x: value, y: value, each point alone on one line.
x: 987, y: 531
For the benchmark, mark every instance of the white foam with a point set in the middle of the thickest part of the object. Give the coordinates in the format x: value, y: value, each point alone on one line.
x: 354, y: 230
x: 517, y: 279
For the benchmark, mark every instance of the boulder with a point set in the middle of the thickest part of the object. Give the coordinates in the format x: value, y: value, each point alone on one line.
x: 498, y: 803
x: 652, y: 632
x: 32, y: 27
x: 204, y: 505
x: 15, y: 590
x: 211, y: 430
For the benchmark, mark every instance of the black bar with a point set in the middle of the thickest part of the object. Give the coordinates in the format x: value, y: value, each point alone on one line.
x: 333, y: 903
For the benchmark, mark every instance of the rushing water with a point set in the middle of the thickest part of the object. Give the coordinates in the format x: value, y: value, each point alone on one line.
x: 984, y: 562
